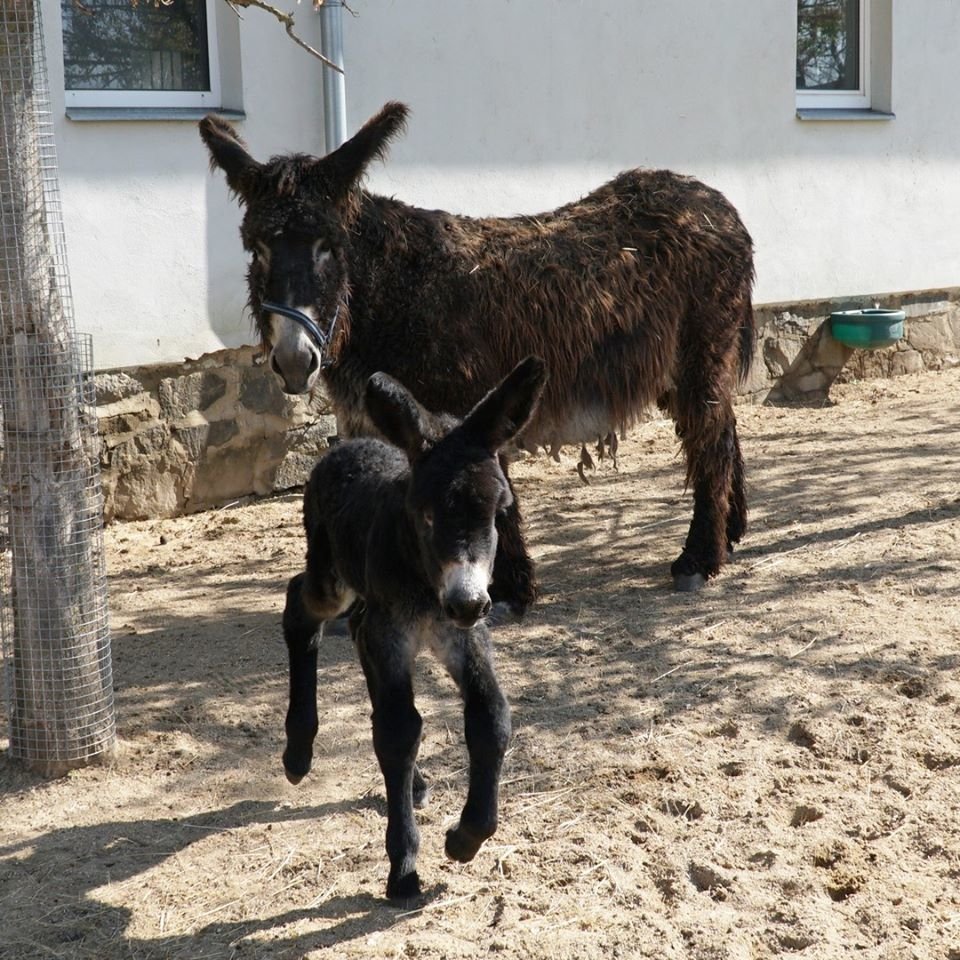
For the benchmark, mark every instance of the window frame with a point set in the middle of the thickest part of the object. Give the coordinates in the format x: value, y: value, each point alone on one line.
x: 161, y: 99
x: 859, y: 99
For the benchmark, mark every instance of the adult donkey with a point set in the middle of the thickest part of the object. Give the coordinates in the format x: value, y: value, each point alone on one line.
x: 638, y: 293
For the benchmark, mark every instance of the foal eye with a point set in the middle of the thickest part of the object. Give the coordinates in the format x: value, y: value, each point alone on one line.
x: 320, y: 251
x: 428, y: 517
x: 261, y: 252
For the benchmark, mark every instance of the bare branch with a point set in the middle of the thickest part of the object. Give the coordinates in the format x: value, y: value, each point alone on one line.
x: 288, y: 24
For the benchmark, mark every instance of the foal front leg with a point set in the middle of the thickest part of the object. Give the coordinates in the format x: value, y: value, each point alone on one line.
x: 486, y: 721
x: 301, y: 631
x: 386, y: 657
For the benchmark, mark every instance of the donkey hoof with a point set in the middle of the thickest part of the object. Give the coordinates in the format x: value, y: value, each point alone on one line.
x: 295, y: 770
x: 462, y: 844
x: 403, y: 888
x: 688, y: 582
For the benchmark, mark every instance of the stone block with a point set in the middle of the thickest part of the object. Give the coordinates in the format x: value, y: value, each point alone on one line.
x: 192, y: 439
x: 180, y: 396
x: 932, y: 334
x: 830, y: 354
x: 293, y: 471
x: 260, y: 392
x: 815, y: 382
x: 111, y: 387
x: 906, y: 361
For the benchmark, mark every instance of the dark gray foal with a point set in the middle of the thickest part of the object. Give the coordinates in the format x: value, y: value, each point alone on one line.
x: 406, y: 536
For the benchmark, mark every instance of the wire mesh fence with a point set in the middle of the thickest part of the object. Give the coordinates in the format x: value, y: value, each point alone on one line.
x: 53, y: 607
x: 54, y: 616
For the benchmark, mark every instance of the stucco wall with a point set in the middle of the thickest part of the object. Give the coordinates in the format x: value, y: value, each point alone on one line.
x: 519, y: 106
x: 156, y: 265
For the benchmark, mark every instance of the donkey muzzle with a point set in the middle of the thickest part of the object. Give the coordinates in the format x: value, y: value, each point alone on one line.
x: 464, y: 598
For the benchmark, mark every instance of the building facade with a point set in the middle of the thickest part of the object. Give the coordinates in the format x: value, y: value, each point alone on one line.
x: 833, y: 125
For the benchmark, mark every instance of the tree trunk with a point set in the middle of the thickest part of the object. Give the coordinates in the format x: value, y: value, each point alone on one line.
x: 62, y: 705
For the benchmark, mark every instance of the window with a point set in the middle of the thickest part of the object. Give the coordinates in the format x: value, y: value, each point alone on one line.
x: 140, y: 53
x: 833, y: 54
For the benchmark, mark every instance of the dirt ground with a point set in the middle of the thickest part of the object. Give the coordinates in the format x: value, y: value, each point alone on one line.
x: 770, y: 768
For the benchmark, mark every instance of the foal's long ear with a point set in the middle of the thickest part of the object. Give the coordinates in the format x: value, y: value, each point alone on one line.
x: 396, y: 414
x: 505, y: 410
x: 347, y: 164
x: 229, y: 153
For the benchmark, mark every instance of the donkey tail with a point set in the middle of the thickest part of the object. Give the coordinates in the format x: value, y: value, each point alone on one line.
x: 748, y: 339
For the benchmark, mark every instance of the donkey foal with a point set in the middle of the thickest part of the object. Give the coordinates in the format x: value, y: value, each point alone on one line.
x: 407, y: 537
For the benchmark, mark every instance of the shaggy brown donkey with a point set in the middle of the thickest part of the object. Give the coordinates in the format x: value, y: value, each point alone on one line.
x: 638, y: 293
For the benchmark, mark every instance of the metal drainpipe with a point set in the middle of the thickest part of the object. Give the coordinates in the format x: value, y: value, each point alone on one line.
x: 334, y: 88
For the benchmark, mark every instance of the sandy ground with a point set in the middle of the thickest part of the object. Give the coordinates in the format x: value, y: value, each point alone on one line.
x: 770, y: 768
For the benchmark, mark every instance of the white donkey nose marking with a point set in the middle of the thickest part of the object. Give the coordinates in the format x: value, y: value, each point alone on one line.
x: 294, y: 357
x: 466, y: 580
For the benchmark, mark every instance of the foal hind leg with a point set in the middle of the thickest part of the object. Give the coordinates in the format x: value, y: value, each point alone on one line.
x: 486, y: 720
x: 312, y: 599
x: 386, y: 658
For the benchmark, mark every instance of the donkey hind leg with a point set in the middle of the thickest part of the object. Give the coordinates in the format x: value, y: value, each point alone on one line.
x: 707, y: 428
x: 387, y: 660
x: 514, y: 577
x: 486, y: 717
x: 737, y: 517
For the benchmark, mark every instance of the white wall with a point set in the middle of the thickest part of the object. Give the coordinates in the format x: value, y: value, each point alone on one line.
x: 519, y: 106
x: 156, y: 266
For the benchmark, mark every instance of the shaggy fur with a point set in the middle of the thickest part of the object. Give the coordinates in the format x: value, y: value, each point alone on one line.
x: 638, y: 293
x: 404, y: 535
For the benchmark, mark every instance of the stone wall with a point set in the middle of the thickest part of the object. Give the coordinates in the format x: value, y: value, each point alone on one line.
x: 797, y: 359
x: 201, y: 433
x: 176, y: 438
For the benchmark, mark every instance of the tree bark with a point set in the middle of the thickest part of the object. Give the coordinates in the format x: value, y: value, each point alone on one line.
x: 62, y: 705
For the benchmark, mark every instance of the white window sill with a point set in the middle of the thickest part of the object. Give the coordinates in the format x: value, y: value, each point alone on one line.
x: 842, y: 113
x: 192, y: 114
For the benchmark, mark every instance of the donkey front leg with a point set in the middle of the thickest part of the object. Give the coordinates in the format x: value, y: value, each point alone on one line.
x: 486, y: 717
x: 514, y: 575
x: 386, y: 657
x: 301, y: 631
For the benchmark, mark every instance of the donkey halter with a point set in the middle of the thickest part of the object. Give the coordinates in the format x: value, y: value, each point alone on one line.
x: 321, y: 339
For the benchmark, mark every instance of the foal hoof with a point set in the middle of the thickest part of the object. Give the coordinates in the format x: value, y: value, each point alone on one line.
x: 688, y: 582
x: 421, y: 797
x: 462, y: 844
x: 295, y: 770
x: 403, y: 888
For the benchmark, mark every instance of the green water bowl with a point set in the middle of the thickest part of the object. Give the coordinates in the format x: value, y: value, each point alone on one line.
x: 868, y: 329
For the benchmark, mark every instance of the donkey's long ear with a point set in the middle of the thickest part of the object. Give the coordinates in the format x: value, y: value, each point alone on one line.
x: 396, y: 414
x: 229, y: 153
x: 347, y: 164
x: 505, y: 410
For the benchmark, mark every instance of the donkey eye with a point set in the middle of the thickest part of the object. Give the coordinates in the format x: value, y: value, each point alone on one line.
x: 320, y: 251
x: 428, y: 517
x: 262, y: 252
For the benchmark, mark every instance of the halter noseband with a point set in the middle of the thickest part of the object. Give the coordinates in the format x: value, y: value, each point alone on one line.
x: 321, y: 339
